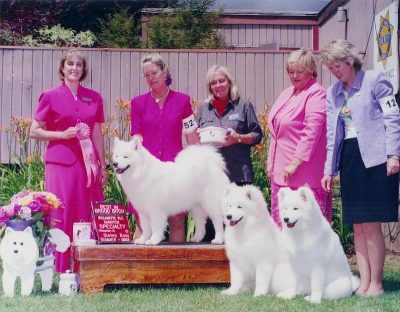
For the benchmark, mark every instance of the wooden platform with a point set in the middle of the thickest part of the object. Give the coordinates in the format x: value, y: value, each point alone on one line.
x: 101, y: 265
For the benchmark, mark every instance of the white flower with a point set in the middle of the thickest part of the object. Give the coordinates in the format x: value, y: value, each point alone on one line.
x: 25, y: 213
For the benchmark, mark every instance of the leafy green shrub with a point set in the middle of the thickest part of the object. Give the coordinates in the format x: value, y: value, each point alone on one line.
x: 191, y: 26
x: 119, y: 30
x: 58, y: 36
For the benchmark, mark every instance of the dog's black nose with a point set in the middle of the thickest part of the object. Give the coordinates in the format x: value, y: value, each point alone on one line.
x: 229, y: 217
x: 15, y: 251
x: 286, y: 220
x: 115, y: 165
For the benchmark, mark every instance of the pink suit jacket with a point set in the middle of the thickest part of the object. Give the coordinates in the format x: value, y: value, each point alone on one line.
x: 298, y: 130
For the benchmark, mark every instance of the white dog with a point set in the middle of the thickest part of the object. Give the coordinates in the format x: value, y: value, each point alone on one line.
x: 316, y: 255
x: 157, y: 190
x: 19, y: 252
x: 256, y: 258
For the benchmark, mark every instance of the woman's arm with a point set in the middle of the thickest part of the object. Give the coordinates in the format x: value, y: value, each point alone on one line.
x: 38, y: 131
x: 98, y: 142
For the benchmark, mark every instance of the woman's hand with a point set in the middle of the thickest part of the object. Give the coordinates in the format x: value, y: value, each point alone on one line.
x: 232, y: 137
x: 392, y: 166
x: 69, y: 133
x: 269, y: 170
x: 291, y: 169
x: 103, y: 175
x: 327, y: 183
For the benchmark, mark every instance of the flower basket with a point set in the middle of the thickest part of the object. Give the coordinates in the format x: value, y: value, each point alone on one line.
x: 35, y: 209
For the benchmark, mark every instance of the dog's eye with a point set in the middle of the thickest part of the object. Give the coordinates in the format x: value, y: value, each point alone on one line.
x: 240, y: 207
x: 295, y: 208
x: 15, y: 243
x: 22, y: 244
x: 125, y: 156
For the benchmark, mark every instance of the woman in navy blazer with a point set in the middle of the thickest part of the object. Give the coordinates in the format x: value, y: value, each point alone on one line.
x: 364, y: 145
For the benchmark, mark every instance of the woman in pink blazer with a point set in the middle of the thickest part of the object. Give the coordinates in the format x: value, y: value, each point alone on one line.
x: 297, y: 124
x: 69, y: 117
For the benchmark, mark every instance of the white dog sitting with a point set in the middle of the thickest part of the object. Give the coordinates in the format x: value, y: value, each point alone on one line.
x: 316, y: 255
x: 255, y: 258
x: 19, y: 252
x: 157, y: 190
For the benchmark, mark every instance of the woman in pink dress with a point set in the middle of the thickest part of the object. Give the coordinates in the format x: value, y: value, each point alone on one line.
x: 297, y: 124
x: 69, y: 117
x: 159, y: 117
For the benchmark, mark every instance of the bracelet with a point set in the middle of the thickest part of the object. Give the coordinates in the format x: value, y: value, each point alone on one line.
x: 394, y: 157
x: 239, y: 139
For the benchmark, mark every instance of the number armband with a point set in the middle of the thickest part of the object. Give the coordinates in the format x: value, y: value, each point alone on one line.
x: 389, y: 105
x: 189, y: 124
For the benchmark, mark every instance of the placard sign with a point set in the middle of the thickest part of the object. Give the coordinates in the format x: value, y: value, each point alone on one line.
x: 110, y: 222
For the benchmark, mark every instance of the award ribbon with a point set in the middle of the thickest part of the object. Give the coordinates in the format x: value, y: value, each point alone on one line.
x: 88, y: 152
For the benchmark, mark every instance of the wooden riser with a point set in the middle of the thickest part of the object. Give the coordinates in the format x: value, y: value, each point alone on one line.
x: 100, y: 265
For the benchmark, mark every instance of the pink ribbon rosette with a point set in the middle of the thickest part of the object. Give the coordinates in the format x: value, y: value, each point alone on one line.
x: 88, y: 152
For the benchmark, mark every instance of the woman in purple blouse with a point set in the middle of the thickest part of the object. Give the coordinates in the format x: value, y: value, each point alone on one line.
x: 363, y: 134
x: 159, y: 117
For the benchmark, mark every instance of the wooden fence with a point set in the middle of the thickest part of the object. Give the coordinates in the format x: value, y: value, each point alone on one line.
x: 116, y: 73
x: 26, y: 72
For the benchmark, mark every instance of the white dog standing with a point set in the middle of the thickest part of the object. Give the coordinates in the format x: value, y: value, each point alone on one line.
x: 19, y: 252
x: 255, y: 258
x: 316, y: 255
x: 157, y: 190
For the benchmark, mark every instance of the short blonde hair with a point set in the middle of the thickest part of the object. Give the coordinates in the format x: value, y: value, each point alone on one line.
x: 157, y: 59
x: 233, y: 90
x: 304, y: 58
x: 70, y: 53
x: 341, y: 50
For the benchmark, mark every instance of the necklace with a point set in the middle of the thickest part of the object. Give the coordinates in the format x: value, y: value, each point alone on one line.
x: 159, y: 99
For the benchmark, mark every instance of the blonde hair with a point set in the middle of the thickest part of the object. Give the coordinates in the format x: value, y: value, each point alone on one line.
x: 70, y: 53
x: 304, y: 58
x: 233, y: 89
x: 341, y: 50
x: 157, y: 59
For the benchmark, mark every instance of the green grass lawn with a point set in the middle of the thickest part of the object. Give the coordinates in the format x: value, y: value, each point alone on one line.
x: 201, y: 298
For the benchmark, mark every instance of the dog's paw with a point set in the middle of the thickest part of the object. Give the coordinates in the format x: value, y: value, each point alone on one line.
x: 195, y: 240
x: 139, y: 241
x: 258, y: 293
x: 312, y: 299
x: 217, y: 241
x: 286, y: 295
x: 152, y: 241
x: 229, y: 292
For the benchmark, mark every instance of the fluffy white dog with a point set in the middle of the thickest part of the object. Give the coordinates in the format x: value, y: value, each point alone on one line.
x: 316, y: 255
x: 19, y: 252
x: 157, y: 190
x: 256, y: 258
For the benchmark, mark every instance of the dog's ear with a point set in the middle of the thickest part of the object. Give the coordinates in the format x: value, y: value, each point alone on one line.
x: 229, y: 188
x: 305, y: 193
x: 136, y: 142
x: 248, y: 194
x: 116, y: 141
x: 9, y: 230
x: 283, y: 193
x: 28, y: 230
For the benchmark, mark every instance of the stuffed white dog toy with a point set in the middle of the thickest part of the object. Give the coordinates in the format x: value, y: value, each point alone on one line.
x: 19, y: 252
